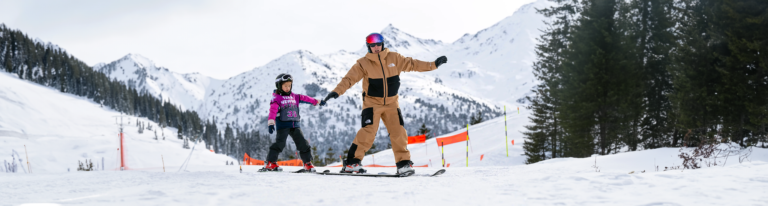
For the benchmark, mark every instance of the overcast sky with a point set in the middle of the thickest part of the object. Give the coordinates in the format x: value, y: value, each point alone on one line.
x: 223, y: 38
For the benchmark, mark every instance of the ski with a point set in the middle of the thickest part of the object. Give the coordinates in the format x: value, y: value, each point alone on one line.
x: 382, y: 174
x: 266, y: 170
x: 302, y: 171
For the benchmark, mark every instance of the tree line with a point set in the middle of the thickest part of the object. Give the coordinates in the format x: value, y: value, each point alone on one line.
x: 50, y: 66
x: 620, y: 76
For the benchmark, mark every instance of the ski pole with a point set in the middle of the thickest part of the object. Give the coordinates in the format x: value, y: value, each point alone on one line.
x: 467, y: 145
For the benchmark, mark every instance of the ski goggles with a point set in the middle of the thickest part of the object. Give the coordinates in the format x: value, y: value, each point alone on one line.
x: 286, y: 77
x: 375, y: 44
x: 374, y: 38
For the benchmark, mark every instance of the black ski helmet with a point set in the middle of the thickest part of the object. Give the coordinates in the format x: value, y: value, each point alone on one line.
x: 372, y: 39
x: 282, y: 78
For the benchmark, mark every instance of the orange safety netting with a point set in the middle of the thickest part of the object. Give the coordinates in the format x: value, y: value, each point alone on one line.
x: 247, y: 160
x: 293, y: 162
x: 417, y: 139
x: 452, y: 139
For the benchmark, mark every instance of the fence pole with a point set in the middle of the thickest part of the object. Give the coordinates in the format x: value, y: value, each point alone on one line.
x: 161, y: 159
x: 467, y: 145
x: 506, y: 138
x: 442, y: 152
x: 25, y: 153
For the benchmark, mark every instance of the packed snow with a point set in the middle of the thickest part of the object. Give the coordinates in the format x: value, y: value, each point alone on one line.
x: 59, y: 129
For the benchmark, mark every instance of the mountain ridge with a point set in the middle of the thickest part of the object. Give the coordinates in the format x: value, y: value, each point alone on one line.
x: 479, y: 77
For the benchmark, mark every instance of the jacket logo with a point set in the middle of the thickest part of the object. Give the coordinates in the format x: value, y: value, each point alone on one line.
x: 391, y: 65
x: 368, y: 121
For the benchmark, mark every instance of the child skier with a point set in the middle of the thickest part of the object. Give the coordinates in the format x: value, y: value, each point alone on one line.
x: 284, y: 114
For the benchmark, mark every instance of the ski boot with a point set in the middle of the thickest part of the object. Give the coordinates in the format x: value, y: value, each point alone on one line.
x: 405, y: 168
x: 353, y: 167
x: 308, y: 168
x: 271, y: 167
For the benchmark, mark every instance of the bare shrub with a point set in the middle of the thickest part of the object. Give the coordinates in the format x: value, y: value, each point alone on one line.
x: 88, y: 166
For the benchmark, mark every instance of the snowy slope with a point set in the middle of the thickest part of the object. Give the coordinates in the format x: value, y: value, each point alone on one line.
x: 488, y: 139
x: 60, y: 129
x: 496, y: 180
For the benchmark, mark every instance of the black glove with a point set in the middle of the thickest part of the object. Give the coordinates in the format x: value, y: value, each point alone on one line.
x: 441, y: 60
x: 271, y: 129
x: 330, y: 95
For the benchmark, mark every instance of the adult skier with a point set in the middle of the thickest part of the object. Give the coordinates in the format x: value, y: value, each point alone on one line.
x: 380, y: 70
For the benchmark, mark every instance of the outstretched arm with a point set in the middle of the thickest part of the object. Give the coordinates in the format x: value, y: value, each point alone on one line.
x: 307, y: 99
x: 353, y: 76
x: 415, y: 65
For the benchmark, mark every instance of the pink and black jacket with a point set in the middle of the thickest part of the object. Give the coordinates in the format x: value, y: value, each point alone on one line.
x: 285, y: 109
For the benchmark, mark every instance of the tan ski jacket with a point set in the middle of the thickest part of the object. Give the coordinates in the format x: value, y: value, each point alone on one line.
x: 381, y: 75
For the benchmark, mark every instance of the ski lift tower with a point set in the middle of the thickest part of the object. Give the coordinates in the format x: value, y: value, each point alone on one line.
x: 122, y: 150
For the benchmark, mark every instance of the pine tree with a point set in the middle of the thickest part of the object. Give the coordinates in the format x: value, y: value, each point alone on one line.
x: 228, y: 139
x: 599, y: 97
x: 648, y: 41
x: 546, y: 132
x: 696, y: 82
x: 477, y: 118
x: 743, y: 25
x: 329, y: 156
x: 426, y: 131
x: 179, y: 132
x: 536, y: 137
x: 316, y: 161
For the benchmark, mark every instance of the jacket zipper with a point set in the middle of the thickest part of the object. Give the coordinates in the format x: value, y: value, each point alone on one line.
x: 384, y: 79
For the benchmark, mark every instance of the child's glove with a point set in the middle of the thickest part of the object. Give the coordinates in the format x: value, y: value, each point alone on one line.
x: 271, y: 124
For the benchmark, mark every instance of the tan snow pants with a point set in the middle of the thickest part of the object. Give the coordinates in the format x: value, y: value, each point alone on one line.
x: 393, y: 120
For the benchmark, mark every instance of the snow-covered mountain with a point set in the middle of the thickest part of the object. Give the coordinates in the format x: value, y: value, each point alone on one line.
x: 495, y: 63
x: 185, y: 90
x: 485, y: 71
